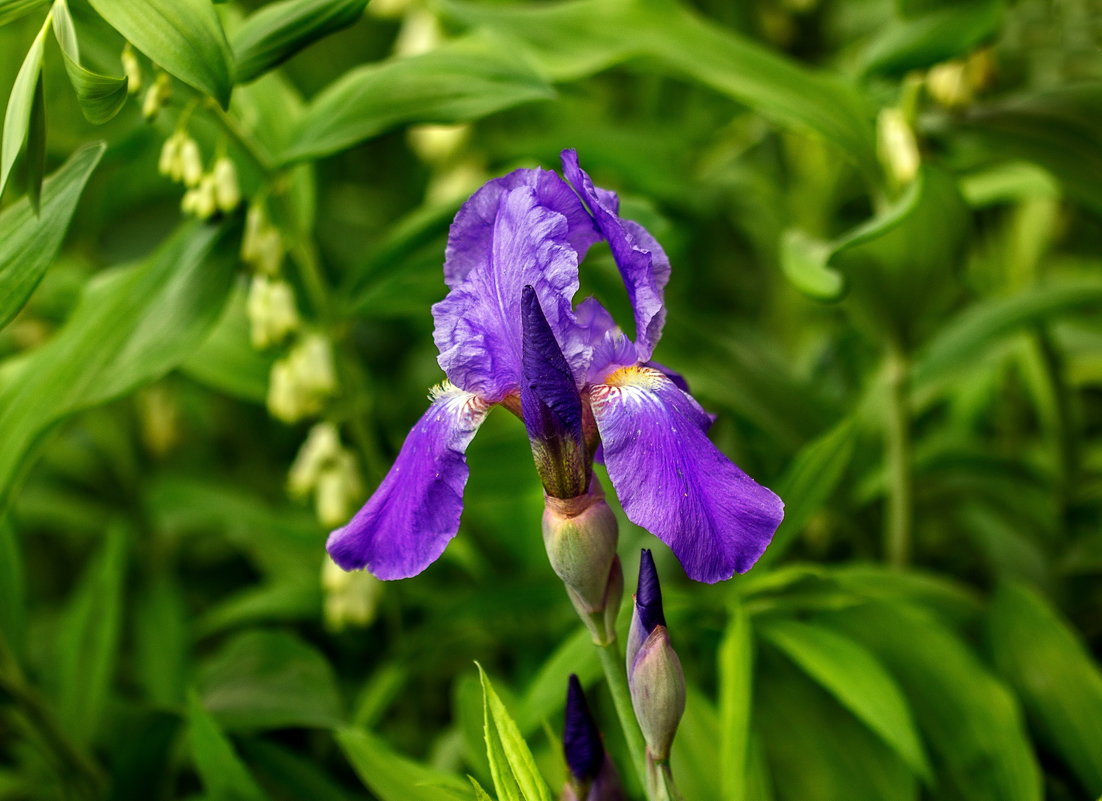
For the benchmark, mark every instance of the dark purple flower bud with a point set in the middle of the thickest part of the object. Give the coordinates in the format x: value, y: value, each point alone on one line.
x: 590, y: 774
x: 581, y: 739
x: 550, y: 405
x: 655, y: 678
x: 580, y: 536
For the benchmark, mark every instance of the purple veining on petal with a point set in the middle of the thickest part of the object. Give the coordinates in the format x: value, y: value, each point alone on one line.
x: 414, y: 513
x: 674, y: 482
x: 642, y: 261
x: 581, y: 739
x: 471, y: 233
x: 478, y: 324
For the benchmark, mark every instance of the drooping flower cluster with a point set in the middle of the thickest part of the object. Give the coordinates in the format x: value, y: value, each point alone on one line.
x: 509, y: 334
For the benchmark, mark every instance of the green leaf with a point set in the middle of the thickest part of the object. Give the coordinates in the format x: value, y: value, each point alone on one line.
x: 969, y: 720
x: 544, y: 695
x: 88, y: 641
x: 34, y: 162
x: 275, y: 32
x: 390, y: 775
x: 101, y: 96
x: 184, y: 37
x: 736, y: 684
x: 809, y: 482
x: 270, y: 680
x: 13, y: 586
x: 21, y: 102
x: 227, y: 361
x: 964, y: 339
x: 575, y: 39
x: 297, y: 774
x: 1060, y: 685
x: 514, y: 771
x: 162, y: 638
x: 463, y: 80
x: 938, y: 34
x: 857, y: 679
x: 1056, y: 129
x: 224, y: 775
x: 816, y: 750
x: 132, y: 325
x: 479, y: 793
x: 31, y: 243
x: 13, y: 9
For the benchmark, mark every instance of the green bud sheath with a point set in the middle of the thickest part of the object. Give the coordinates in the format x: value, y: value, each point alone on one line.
x: 657, y: 692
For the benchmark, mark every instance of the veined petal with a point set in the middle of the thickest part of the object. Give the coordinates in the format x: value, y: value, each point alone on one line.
x: 642, y: 262
x: 472, y: 231
x: 478, y: 324
x: 674, y: 482
x: 411, y: 517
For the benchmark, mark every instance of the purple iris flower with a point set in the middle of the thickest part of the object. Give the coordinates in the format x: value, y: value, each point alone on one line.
x: 509, y: 334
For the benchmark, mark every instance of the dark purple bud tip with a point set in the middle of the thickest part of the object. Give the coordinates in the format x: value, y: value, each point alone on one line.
x: 648, y: 597
x: 581, y: 739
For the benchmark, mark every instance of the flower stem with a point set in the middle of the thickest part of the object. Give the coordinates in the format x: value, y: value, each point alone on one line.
x: 616, y: 677
x: 660, y: 779
x: 898, y: 522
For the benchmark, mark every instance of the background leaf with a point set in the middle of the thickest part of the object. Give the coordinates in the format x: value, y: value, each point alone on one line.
x: 32, y: 242
x: 101, y: 96
x: 275, y: 32
x: 224, y: 775
x: 184, y: 37
x: 21, y: 102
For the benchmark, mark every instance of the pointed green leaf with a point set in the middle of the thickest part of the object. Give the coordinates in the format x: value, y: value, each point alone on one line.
x: 736, y: 684
x: 13, y: 9
x: 17, y: 117
x: 133, y: 324
x: 479, y: 793
x: 31, y: 243
x: 462, y: 80
x: 1059, y: 683
x: 275, y: 32
x: 513, y: 769
x: 392, y: 776
x: 970, y: 721
x: 100, y: 96
x: 184, y: 37
x: 221, y: 770
x: 857, y: 679
x: 87, y: 643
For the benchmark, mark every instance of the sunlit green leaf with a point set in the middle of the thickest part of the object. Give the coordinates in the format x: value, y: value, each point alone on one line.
x: 101, y: 96
x: 184, y: 37
x: 21, y: 102
x: 223, y: 773
x: 511, y: 765
x: 31, y: 242
x: 857, y: 679
x: 13, y: 9
x: 275, y: 32
x: 133, y: 325
x: 1060, y: 685
x: 736, y: 683
x: 463, y: 80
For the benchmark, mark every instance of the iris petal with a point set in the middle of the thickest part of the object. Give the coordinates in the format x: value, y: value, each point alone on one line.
x: 674, y: 482
x: 478, y: 324
x: 411, y: 517
x: 642, y: 262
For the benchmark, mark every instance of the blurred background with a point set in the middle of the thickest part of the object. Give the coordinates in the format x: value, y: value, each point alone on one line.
x: 883, y: 218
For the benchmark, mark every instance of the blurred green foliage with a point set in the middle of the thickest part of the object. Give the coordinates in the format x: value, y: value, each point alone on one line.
x: 883, y: 220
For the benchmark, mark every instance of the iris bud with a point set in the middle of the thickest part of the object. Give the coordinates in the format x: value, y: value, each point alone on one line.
x: 580, y: 536
x: 590, y: 774
x: 655, y: 677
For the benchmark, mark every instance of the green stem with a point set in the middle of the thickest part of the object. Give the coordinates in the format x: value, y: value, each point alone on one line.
x: 899, y: 520
x: 616, y: 676
x: 661, y: 781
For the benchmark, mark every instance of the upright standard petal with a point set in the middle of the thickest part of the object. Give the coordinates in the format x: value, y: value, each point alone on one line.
x: 642, y: 262
x: 674, y: 482
x: 478, y: 324
x: 414, y: 513
x: 472, y: 231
